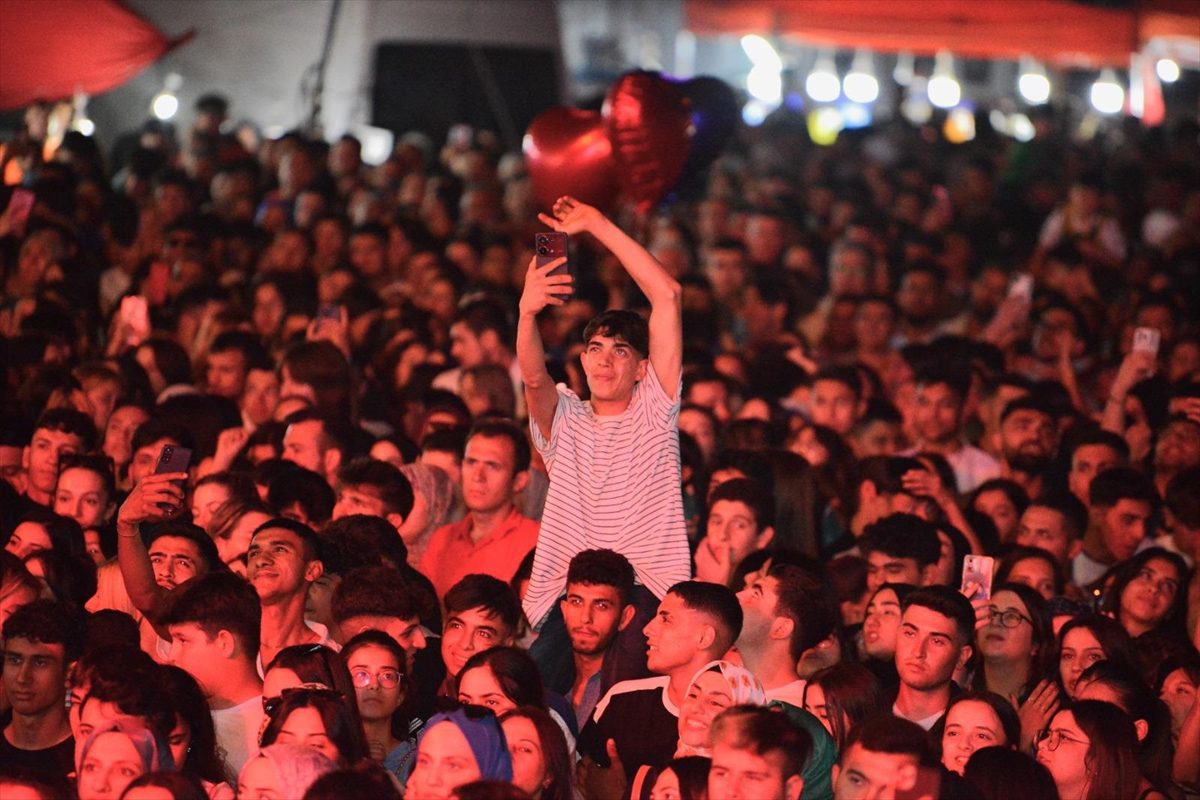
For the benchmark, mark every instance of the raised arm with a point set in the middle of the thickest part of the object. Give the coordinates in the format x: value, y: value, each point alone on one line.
x: 143, y: 505
x: 541, y: 289
x: 663, y: 291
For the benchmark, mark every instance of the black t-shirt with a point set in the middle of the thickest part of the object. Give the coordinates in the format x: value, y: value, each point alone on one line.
x: 57, y: 761
x: 634, y: 714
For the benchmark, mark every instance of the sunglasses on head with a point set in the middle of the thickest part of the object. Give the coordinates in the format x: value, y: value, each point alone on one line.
x: 272, y: 704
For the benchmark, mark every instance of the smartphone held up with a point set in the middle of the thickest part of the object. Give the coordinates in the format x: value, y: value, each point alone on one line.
x: 550, y: 246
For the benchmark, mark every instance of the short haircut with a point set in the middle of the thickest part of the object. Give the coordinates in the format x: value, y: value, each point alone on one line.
x: 487, y: 592
x: 68, y: 420
x: 956, y: 378
x: 764, y: 732
x: 903, y: 536
x: 1183, y: 497
x: 1027, y: 403
x: 376, y: 592
x: 603, y: 568
x: 310, y: 542
x: 303, y: 487
x: 846, y: 375
x: 219, y: 601
x: 446, y: 440
x: 485, y: 314
x: 360, y: 540
x: 803, y: 598
x: 886, y: 733
x: 335, y: 433
x: 497, y: 428
x: 1099, y: 436
x: 717, y: 602
x: 388, y: 482
x: 322, y: 366
x: 948, y: 602
x: 750, y: 493
x: 157, y: 428
x: 886, y: 473
x: 621, y: 324
x: 1074, y: 513
x: 246, y: 343
x: 1121, y: 483
x: 48, y: 622
x: 194, y: 534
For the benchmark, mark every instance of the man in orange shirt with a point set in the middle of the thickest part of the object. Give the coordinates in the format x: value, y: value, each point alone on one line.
x: 494, y: 537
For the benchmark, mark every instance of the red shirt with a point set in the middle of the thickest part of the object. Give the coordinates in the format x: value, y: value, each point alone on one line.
x: 452, y: 555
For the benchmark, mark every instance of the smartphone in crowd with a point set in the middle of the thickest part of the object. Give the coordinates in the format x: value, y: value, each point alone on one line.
x: 1146, y: 340
x: 549, y: 246
x: 19, y: 207
x: 172, y: 458
x: 977, y: 574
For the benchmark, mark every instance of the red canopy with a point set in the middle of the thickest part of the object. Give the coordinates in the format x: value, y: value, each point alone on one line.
x: 1052, y: 30
x: 51, y: 48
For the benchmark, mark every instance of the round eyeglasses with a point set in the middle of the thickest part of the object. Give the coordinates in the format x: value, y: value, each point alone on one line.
x: 1051, y: 739
x: 388, y: 678
x: 1009, y: 618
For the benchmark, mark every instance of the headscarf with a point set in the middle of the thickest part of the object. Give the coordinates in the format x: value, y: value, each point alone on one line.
x: 437, y: 490
x: 151, y: 749
x: 744, y: 688
x: 486, y: 737
x: 298, y: 767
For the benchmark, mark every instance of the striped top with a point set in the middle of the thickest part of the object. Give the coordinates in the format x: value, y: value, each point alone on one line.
x: 614, y: 484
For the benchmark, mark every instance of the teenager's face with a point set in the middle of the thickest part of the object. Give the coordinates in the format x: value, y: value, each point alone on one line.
x: 445, y: 761
x: 34, y: 675
x: 612, y: 367
x: 305, y: 727
x: 260, y: 780
x: 742, y: 774
x: 276, y: 564
x: 1068, y: 762
x: 593, y: 615
x: 175, y: 559
x: 733, y: 527
x: 112, y: 763
x: 708, y: 696
x: 480, y: 687
x: 928, y: 648
x: 46, y: 449
x: 884, y: 568
x: 1123, y: 526
x: 80, y: 495
x: 882, y: 624
x: 471, y: 631
x: 1148, y: 598
x: 1007, y: 644
x: 1045, y: 528
x: 529, y: 762
x: 27, y: 537
x: 201, y: 657
x: 674, y: 635
x: 1080, y: 649
x: 377, y: 681
x: 970, y: 725
x: 865, y: 774
x: 205, y: 500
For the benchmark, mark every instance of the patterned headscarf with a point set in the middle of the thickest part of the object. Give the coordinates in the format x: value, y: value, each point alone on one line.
x: 744, y: 688
x: 437, y: 490
x: 154, y: 753
x: 298, y: 767
x: 486, y: 737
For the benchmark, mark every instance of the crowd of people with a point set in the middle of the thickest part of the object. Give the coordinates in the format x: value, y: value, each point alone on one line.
x: 866, y: 470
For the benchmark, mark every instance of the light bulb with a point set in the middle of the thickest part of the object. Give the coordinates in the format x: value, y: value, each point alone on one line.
x: 1167, y: 69
x: 822, y: 83
x: 944, y: 90
x: 1107, y: 96
x: 165, y: 106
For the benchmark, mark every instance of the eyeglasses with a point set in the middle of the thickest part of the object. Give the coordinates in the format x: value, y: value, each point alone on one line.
x: 1009, y: 618
x: 272, y: 704
x: 1050, y: 739
x: 388, y: 678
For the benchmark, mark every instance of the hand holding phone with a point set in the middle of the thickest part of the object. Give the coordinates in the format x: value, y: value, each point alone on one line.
x: 172, y: 459
x: 977, y: 577
x: 1146, y: 340
x: 549, y: 246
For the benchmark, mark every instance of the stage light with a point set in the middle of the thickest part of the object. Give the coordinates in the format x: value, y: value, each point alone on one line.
x: 824, y: 125
x: 822, y: 83
x: 754, y: 112
x: 944, y: 90
x: 1167, y: 69
x: 1020, y: 127
x: 85, y: 126
x: 765, y: 84
x: 916, y: 108
x: 165, y: 104
x: 761, y: 52
x: 902, y: 73
x: 860, y: 84
x: 1033, y: 84
x: 855, y: 115
x: 960, y: 126
x: 1107, y: 96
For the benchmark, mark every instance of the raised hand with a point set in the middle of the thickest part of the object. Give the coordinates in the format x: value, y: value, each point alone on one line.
x: 543, y: 289
x: 154, y: 499
x: 571, y: 216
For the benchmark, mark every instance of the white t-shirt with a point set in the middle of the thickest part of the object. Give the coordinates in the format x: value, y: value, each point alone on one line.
x: 237, y: 734
x: 615, y: 484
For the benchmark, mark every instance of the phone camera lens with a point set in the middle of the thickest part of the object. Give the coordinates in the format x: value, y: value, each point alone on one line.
x: 543, y: 250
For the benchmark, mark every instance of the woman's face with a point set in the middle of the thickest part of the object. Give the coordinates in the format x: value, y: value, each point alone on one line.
x: 525, y: 747
x: 996, y: 505
x: 268, y: 311
x: 305, y: 727
x: 110, y: 766
x: 1080, y: 649
x: 1179, y: 693
x: 882, y: 624
x: 91, y: 545
x: 479, y: 687
x: 1036, y: 573
x: 708, y: 696
x: 1068, y: 761
x: 371, y: 667
x: 999, y: 643
x: 445, y: 761
x: 237, y: 542
x: 1148, y: 598
x: 814, y: 703
x: 180, y: 740
x: 970, y: 726
x: 666, y: 787
x: 28, y: 536
x: 383, y: 450
x: 259, y: 780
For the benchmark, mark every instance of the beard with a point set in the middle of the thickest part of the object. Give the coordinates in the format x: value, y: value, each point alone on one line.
x: 1028, y: 461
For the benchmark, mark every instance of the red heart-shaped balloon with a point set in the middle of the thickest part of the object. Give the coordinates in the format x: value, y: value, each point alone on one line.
x: 567, y: 152
x: 648, y: 121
